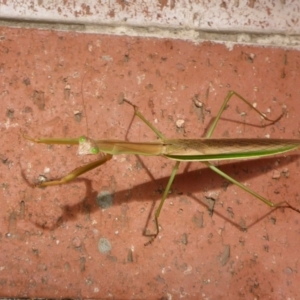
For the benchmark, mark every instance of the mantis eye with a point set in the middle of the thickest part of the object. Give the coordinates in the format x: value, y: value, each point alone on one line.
x: 94, y: 150
x: 82, y: 139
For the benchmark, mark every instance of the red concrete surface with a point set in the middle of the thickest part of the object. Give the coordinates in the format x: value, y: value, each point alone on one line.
x: 58, y: 242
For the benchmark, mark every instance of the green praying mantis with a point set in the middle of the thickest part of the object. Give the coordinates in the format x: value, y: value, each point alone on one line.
x: 205, y: 150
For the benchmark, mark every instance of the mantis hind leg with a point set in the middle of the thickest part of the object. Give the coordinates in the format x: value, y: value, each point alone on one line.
x: 229, y: 178
x: 223, y: 107
x: 243, y: 187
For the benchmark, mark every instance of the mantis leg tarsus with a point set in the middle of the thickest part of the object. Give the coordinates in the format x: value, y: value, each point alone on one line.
x: 286, y: 204
x: 152, y: 236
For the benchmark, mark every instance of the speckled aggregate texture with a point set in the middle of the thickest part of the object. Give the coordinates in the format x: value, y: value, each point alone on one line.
x: 85, y: 239
x: 263, y: 16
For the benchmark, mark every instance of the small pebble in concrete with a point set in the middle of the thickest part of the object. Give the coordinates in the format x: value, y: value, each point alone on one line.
x: 105, y: 199
x: 104, y: 246
x: 180, y: 123
x: 276, y: 174
x: 76, y: 242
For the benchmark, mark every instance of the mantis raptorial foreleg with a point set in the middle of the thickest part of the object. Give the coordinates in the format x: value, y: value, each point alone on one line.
x: 76, y: 172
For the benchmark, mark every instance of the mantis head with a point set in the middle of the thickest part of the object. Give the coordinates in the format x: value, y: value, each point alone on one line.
x: 87, y: 146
